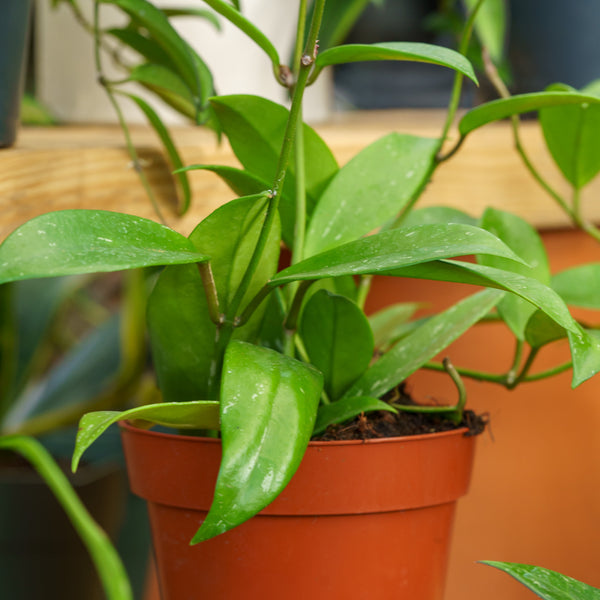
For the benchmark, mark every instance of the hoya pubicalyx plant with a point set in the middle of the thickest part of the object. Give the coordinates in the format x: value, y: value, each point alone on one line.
x: 268, y: 357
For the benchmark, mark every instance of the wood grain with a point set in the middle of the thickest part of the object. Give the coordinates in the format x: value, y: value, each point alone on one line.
x: 88, y: 167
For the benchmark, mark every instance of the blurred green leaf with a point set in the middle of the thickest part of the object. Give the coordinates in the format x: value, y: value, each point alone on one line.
x: 338, y: 340
x: 542, y: 330
x: 370, y: 190
x: 547, y: 584
x: 579, y: 286
x: 490, y: 26
x: 243, y: 183
x: 390, y: 322
x: 572, y: 133
x: 206, y: 15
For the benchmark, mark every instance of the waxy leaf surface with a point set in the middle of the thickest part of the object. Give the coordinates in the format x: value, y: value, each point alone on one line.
x: 338, y: 340
x: 88, y: 241
x: 370, y: 190
x: 180, y: 415
x: 547, y: 584
x: 420, y: 346
x: 497, y: 110
x: 411, y: 51
x: 268, y: 409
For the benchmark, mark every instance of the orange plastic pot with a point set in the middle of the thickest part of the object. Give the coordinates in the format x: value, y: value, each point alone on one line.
x: 364, y: 520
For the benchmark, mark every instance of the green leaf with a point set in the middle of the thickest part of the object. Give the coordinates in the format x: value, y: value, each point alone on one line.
x: 524, y: 240
x: 389, y: 323
x: 243, y: 183
x: 338, y: 340
x: 542, y: 330
x: 206, y: 15
x: 438, y: 214
x: 390, y: 250
x: 547, y: 584
x: 571, y: 134
x: 163, y: 133
x: 410, y: 51
x: 235, y: 17
x: 255, y: 128
x: 89, y: 241
x: 268, y: 408
x: 157, y: 77
x: 185, y: 364
x: 497, y: 110
x: 153, y: 20
x: 145, y: 46
x: 420, y: 346
x: 181, y: 415
x: 339, y: 16
x: 490, y: 26
x: 370, y: 190
x: 346, y: 409
x: 585, y: 352
x: 530, y: 289
x: 579, y: 286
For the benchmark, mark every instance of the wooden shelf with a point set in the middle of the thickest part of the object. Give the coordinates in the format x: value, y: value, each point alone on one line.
x: 88, y: 167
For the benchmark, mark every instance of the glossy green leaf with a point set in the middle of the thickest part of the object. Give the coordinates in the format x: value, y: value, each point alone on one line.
x: 389, y: 250
x: 89, y: 241
x: 370, y: 190
x: 181, y: 415
x: 346, y: 409
x: 243, y: 183
x: 175, y: 159
x: 153, y: 20
x: 235, y: 17
x: 438, y: 214
x: 268, y: 409
x: 338, y: 340
x: 585, y: 352
x: 579, y: 286
x: 571, y: 134
x: 390, y: 322
x: 530, y: 289
x: 547, y: 584
x: 420, y: 346
x: 524, y: 240
x: 410, y: 51
x: 206, y: 15
x: 497, y: 110
x: 542, y: 330
x: 255, y: 128
x: 490, y: 26
x: 185, y: 364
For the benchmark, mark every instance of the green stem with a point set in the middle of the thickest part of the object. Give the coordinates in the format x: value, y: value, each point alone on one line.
x: 548, y: 373
x: 300, y: 221
x: 300, y: 32
x: 210, y: 290
x: 470, y: 373
x: 523, y: 373
x: 105, y: 558
x: 511, y: 376
x: 122, y: 122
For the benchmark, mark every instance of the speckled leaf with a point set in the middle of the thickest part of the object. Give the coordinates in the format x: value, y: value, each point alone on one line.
x: 437, y: 214
x: 571, y: 134
x: 420, y: 346
x: 547, y: 584
x: 268, y: 409
x: 579, y: 286
x: 585, y: 352
x: 390, y: 322
x: 411, y: 51
x: 338, y: 340
x: 389, y: 250
x: 370, y: 190
x: 346, y: 409
x: 524, y: 240
x: 89, y: 241
x: 181, y: 415
x: 497, y: 110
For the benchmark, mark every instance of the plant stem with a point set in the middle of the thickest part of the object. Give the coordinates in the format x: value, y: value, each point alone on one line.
x: 122, y: 122
x: 210, y: 290
x: 105, y: 558
x: 470, y: 373
x: 548, y: 373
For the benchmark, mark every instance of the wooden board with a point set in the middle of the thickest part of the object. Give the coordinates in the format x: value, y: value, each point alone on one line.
x: 88, y: 167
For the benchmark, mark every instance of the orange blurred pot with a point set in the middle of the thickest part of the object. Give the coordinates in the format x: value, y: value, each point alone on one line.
x: 366, y: 520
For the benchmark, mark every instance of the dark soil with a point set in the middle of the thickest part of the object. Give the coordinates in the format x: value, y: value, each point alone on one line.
x: 383, y: 424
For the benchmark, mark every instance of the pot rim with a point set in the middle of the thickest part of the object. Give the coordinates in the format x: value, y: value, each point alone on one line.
x: 317, y: 444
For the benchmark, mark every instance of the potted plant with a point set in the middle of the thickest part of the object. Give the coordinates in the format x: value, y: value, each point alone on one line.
x: 266, y: 358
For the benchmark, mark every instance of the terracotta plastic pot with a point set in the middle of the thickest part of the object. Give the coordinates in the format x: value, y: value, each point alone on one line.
x: 363, y: 520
